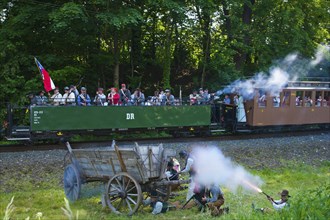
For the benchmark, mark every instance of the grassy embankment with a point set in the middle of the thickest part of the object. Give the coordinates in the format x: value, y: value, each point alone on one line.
x: 308, y: 185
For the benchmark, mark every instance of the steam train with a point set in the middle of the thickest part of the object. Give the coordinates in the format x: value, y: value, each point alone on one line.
x: 300, y: 104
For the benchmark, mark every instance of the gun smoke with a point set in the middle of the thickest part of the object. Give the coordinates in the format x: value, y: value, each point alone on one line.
x: 212, y: 167
x: 289, y: 69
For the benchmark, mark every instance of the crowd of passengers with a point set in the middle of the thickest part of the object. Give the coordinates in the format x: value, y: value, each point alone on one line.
x: 121, y: 97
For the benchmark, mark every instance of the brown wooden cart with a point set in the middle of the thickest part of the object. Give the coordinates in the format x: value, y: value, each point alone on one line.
x: 128, y: 171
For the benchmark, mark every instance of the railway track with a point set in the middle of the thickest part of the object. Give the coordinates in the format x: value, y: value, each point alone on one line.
x: 89, y: 144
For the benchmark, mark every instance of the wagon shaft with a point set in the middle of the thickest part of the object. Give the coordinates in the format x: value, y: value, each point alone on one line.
x: 170, y: 182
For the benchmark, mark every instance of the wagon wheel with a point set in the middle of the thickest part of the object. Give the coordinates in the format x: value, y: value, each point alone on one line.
x: 72, y: 182
x: 123, y: 194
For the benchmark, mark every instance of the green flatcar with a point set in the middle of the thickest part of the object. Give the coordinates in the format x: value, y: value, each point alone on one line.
x: 49, y: 122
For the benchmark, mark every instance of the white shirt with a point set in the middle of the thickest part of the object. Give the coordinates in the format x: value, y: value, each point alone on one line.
x: 68, y: 98
x: 280, y: 205
x: 57, y: 98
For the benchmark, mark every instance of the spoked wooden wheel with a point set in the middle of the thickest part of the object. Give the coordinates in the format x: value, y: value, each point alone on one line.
x: 72, y: 183
x: 123, y: 194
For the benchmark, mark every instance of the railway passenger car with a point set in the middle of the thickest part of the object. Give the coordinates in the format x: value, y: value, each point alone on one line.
x: 299, y: 104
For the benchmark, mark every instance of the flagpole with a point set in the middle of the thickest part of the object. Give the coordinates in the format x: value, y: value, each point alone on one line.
x: 35, y: 60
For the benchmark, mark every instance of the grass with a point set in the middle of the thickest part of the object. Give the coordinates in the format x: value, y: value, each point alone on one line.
x: 308, y: 185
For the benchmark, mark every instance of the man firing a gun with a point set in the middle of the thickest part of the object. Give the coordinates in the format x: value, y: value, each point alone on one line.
x: 277, y: 204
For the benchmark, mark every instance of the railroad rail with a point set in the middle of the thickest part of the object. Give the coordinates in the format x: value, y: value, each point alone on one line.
x: 89, y: 144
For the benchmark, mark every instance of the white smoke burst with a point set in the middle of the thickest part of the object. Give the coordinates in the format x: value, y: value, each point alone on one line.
x: 278, y: 76
x: 212, y: 167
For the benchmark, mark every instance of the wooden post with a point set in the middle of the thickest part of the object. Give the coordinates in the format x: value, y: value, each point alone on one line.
x: 121, y: 161
x: 150, y: 161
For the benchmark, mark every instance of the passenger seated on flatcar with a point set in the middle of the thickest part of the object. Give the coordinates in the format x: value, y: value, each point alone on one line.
x: 168, y: 98
x: 125, y: 95
x: 148, y: 102
x: 138, y: 97
x: 200, y: 97
x: 194, y: 98
x: 33, y: 100
x: 56, y: 98
x: 155, y: 98
x: 206, y: 97
x: 83, y: 99
x: 69, y: 98
x: 100, y: 98
x: 113, y: 97
x: 41, y: 98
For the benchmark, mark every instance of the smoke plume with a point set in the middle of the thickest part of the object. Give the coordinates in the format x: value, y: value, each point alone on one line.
x: 290, y: 68
x: 212, y: 167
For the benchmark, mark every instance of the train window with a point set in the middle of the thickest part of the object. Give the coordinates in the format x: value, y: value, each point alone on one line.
x: 285, y: 99
x: 319, y: 99
x: 326, y: 99
x: 276, y: 101
x: 308, y: 102
x: 299, y: 95
x: 262, y: 102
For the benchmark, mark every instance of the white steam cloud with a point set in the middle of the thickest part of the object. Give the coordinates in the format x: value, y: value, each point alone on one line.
x: 289, y: 69
x: 212, y: 167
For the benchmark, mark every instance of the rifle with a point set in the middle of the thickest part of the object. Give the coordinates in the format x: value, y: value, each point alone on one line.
x: 192, y: 197
x: 268, y: 197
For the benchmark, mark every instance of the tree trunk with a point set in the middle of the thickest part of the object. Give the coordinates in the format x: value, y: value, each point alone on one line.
x: 116, y: 53
x: 167, y: 55
x: 241, y: 56
x: 206, y: 44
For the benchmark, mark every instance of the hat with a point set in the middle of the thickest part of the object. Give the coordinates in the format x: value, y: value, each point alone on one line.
x: 183, y: 153
x: 200, y: 89
x: 66, y: 88
x: 71, y: 86
x: 123, y: 85
x: 56, y: 88
x: 285, y: 193
x: 100, y: 89
x: 167, y: 90
x: 83, y: 88
x: 42, y: 91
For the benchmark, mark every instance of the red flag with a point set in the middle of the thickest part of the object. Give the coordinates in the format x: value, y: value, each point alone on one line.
x: 48, y: 82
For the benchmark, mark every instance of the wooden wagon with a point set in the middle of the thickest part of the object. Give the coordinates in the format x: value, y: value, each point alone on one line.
x: 128, y: 171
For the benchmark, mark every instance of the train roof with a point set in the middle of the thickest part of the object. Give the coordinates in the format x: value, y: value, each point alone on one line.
x: 308, y: 85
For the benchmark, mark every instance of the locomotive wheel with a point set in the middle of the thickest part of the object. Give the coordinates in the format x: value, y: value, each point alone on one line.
x: 123, y: 194
x: 72, y: 183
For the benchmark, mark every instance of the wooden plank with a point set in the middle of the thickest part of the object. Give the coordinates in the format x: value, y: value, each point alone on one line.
x: 112, y: 166
x: 122, y: 164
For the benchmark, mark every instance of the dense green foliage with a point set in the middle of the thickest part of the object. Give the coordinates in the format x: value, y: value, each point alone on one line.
x: 151, y: 43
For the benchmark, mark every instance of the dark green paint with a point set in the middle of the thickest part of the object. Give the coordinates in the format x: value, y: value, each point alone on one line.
x: 94, y: 117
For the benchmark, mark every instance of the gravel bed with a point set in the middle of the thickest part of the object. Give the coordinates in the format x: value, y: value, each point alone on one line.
x: 42, y: 166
